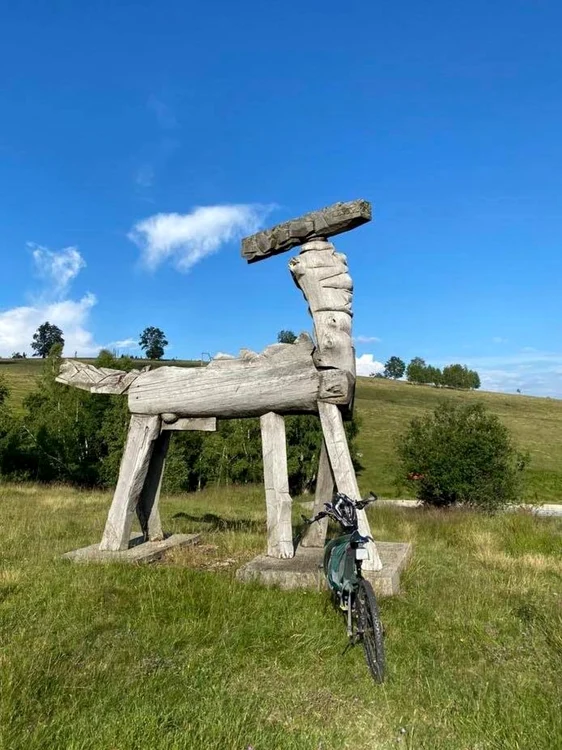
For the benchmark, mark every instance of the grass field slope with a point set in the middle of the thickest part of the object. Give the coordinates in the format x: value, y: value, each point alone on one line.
x: 385, y: 409
x: 181, y: 655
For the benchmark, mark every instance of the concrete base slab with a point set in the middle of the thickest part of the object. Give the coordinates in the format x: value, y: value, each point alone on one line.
x: 304, y: 570
x: 139, y: 551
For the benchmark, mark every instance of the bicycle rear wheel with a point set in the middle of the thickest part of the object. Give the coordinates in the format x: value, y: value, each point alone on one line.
x: 369, y: 628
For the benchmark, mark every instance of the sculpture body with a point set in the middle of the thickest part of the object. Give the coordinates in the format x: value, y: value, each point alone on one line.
x: 306, y: 377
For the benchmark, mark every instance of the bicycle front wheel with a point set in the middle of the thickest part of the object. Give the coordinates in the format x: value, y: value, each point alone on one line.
x: 369, y: 629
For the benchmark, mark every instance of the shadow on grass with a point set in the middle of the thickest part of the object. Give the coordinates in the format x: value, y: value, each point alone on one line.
x: 223, y: 524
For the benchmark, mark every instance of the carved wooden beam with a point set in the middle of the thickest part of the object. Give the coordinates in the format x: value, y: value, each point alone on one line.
x: 322, y: 275
x: 96, y: 379
x: 282, y: 379
x: 329, y: 221
x: 207, y: 424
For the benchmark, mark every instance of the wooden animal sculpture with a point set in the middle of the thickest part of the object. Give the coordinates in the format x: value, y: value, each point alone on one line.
x: 311, y: 376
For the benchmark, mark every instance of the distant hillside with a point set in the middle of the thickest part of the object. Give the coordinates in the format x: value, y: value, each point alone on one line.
x: 385, y: 409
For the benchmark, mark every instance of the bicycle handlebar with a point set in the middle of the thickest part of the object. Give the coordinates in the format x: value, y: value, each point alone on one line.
x: 358, y: 504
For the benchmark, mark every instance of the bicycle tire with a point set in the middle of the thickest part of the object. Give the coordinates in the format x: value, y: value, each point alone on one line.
x: 369, y: 622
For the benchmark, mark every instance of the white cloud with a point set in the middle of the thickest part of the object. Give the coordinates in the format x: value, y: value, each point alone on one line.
x: 366, y: 364
x: 188, y: 238
x: 366, y: 339
x: 57, y: 269
x: 533, y: 372
x: 18, y: 325
x: 499, y: 340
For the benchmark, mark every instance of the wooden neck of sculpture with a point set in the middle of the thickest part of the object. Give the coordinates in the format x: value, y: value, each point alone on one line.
x: 322, y: 275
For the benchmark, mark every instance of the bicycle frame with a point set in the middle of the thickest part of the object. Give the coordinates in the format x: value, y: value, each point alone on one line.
x: 342, y: 567
x: 343, y: 558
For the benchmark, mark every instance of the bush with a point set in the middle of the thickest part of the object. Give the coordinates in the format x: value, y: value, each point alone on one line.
x: 462, y: 454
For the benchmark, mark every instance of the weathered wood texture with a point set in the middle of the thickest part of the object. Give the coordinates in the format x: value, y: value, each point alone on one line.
x: 96, y: 379
x: 322, y: 275
x: 203, y: 424
x: 148, y: 511
x: 276, y: 480
x: 143, y: 432
x: 344, y: 473
x: 283, y: 378
x: 315, y: 535
x: 329, y: 221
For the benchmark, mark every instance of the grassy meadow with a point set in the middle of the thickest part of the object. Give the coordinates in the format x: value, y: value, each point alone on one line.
x: 385, y: 409
x: 180, y: 655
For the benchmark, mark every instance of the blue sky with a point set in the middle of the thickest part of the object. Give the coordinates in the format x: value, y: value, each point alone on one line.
x: 224, y: 117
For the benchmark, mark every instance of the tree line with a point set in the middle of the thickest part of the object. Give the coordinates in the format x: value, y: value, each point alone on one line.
x: 152, y: 341
x: 419, y: 372
x: 460, y: 454
x: 68, y: 435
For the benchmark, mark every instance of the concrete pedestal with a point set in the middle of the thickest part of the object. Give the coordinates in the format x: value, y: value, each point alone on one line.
x: 304, y: 570
x: 139, y: 551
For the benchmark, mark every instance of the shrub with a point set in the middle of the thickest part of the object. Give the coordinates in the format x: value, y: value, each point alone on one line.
x: 462, y: 454
x: 4, y: 390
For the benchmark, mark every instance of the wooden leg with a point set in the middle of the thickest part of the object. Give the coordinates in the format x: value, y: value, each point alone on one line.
x: 344, y: 473
x: 143, y: 432
x: 148, y: 507
x: 315, y: 535
x: 276, y: 480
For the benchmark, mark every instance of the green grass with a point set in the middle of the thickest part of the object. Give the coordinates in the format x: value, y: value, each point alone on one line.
x: 21, y: 374
x: 181, y: 655
x: 385, y: 409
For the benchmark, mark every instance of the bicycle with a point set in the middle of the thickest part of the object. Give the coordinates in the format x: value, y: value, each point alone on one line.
x: 343, y: 558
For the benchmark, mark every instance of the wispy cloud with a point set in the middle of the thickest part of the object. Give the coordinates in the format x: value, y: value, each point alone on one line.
x: 499, y: 340
x: 57, y: 269
x: 157, y: 153
x: 129, y: 343
x: 144, y: 176
x: 366, y: 339
x: 164, y: 114
x: 185, y: 239
x: 366, y: 364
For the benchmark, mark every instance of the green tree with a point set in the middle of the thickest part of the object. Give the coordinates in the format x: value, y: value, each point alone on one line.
x: 394, y: 368
x: 433, y: 375
x: 461, y: 453
x: 4, y: 390
x: 474, y: 379
x: 416, y: 371
x: 286, y: 337
x: 44, y: 338
x: 106, y: 358
x: 62, y: 429
x: 12, y: 454
x: 459, y: 376
x: 152, y: 341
